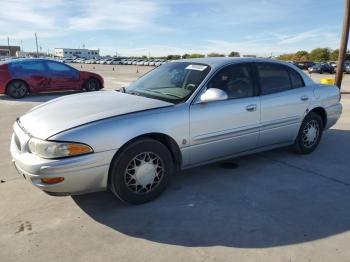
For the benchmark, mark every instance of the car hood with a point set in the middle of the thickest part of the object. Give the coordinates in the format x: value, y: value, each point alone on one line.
x: 70, y: 111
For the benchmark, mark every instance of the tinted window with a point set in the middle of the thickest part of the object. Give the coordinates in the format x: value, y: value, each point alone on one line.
x: 32, y: 66
x: 235, y: 80
x: 58, y: 67
x: 273, y: 78
x: 296, y: 79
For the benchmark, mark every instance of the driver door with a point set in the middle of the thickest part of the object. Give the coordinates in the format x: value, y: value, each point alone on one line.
x: 219, y: 129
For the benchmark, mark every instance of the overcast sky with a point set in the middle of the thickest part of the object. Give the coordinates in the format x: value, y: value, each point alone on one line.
x: 161, y: 27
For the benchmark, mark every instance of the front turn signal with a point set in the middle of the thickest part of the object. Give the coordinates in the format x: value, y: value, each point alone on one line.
x: 52, y: 180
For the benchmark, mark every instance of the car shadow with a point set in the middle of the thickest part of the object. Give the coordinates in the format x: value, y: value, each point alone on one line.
x: 41, y: 97
x: 258, y: 201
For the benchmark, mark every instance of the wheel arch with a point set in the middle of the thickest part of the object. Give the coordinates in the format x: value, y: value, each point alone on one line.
x: 322, y: 113
x: 167, y: 140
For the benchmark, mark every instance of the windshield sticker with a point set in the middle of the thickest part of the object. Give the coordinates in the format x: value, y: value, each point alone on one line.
x: 196, y: 67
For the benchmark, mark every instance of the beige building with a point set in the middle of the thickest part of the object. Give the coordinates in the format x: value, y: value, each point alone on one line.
x: 71, y: 52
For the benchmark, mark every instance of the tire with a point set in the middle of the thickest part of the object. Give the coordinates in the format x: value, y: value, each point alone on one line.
x: 17, y: 89
x: 92, y: 84
x: 136, y: 185
x: 309, y: 135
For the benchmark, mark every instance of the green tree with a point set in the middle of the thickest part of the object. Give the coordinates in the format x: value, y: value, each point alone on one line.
x: 173, y: 57
x: 196, y: 55
x: 320, y: 54
x: 301, y: 55
x: 215, y: 55
x: 186, y: 56
x: 234, y: 54
x: 334, y: 55
x: 286, y: 57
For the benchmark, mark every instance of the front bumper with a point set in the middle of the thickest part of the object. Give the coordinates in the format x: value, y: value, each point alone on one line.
x: 82, y: 174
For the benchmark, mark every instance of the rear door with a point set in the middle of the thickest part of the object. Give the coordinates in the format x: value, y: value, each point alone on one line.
x: 34, y: 72
x: 284, y: 101
x: 222, y: 128
x: 63, y: 77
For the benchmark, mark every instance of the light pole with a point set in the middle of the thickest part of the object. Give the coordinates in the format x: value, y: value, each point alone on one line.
x: 343, y: 44
x: 36, y: 41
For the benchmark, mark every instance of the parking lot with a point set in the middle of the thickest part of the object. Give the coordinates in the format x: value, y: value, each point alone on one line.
x: 272, y: 206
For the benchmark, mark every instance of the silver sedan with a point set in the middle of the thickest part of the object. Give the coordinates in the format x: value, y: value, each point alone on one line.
x: 179, y: 115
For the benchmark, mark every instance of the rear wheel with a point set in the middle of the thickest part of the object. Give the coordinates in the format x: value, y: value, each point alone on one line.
x: 92, y: 84
x: 17, y: 89
x: 142, y: 171
x: 309, y: 135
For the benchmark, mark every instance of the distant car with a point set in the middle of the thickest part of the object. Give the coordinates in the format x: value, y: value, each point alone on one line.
x: 334, y: 64
x: 177, y: 116
x: 347, y: 68
x: 22, y: 76
x: 321, y: 68
x: 304, y: 65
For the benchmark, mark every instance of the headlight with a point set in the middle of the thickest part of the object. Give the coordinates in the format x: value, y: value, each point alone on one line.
x: 49, y: 149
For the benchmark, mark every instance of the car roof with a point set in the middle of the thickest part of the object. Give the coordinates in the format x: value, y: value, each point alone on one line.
x: 19, y: 60
x: 216, y: 62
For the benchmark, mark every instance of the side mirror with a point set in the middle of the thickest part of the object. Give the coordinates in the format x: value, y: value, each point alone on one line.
x: 213, y: 94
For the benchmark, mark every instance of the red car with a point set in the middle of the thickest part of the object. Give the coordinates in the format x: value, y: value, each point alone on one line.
x: 19, y: 77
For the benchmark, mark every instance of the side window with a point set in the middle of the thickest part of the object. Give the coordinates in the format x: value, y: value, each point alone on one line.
x: 296, y: 79
x: 235, y: 80
x: 32, y: 66
x: 274, y: 78
x: 58, y: 67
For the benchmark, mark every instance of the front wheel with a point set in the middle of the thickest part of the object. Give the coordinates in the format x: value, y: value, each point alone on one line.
x: 142, y: 171
x: 92, y: 84
x: 309, y: 135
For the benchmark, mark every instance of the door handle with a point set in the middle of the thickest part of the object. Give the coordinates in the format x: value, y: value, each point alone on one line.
x: 251, y: 108
x: 304, y: 98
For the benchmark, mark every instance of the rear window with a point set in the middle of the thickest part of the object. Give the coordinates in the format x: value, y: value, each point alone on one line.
x: 274, y: 78
x: 296, y: 79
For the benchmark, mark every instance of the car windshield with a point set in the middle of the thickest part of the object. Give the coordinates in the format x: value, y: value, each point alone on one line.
x: 173, y: 82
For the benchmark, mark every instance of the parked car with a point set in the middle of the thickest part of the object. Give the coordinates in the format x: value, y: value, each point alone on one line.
x: 179, y: 115
x: 347, y: 68
x: 333, y: 63
x: 304, y: 65
x: 321, y: 68
x: 22, y: 76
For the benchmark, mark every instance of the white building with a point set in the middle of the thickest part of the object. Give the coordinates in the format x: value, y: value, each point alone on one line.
x: 71, y: 52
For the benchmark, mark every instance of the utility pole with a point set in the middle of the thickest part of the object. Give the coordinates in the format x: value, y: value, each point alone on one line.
x: 8, y: 41
x: 36, y: 41
x: 343, y: 44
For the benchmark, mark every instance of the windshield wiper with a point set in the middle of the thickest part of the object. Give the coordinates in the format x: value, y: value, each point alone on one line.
x: 159, y: 92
